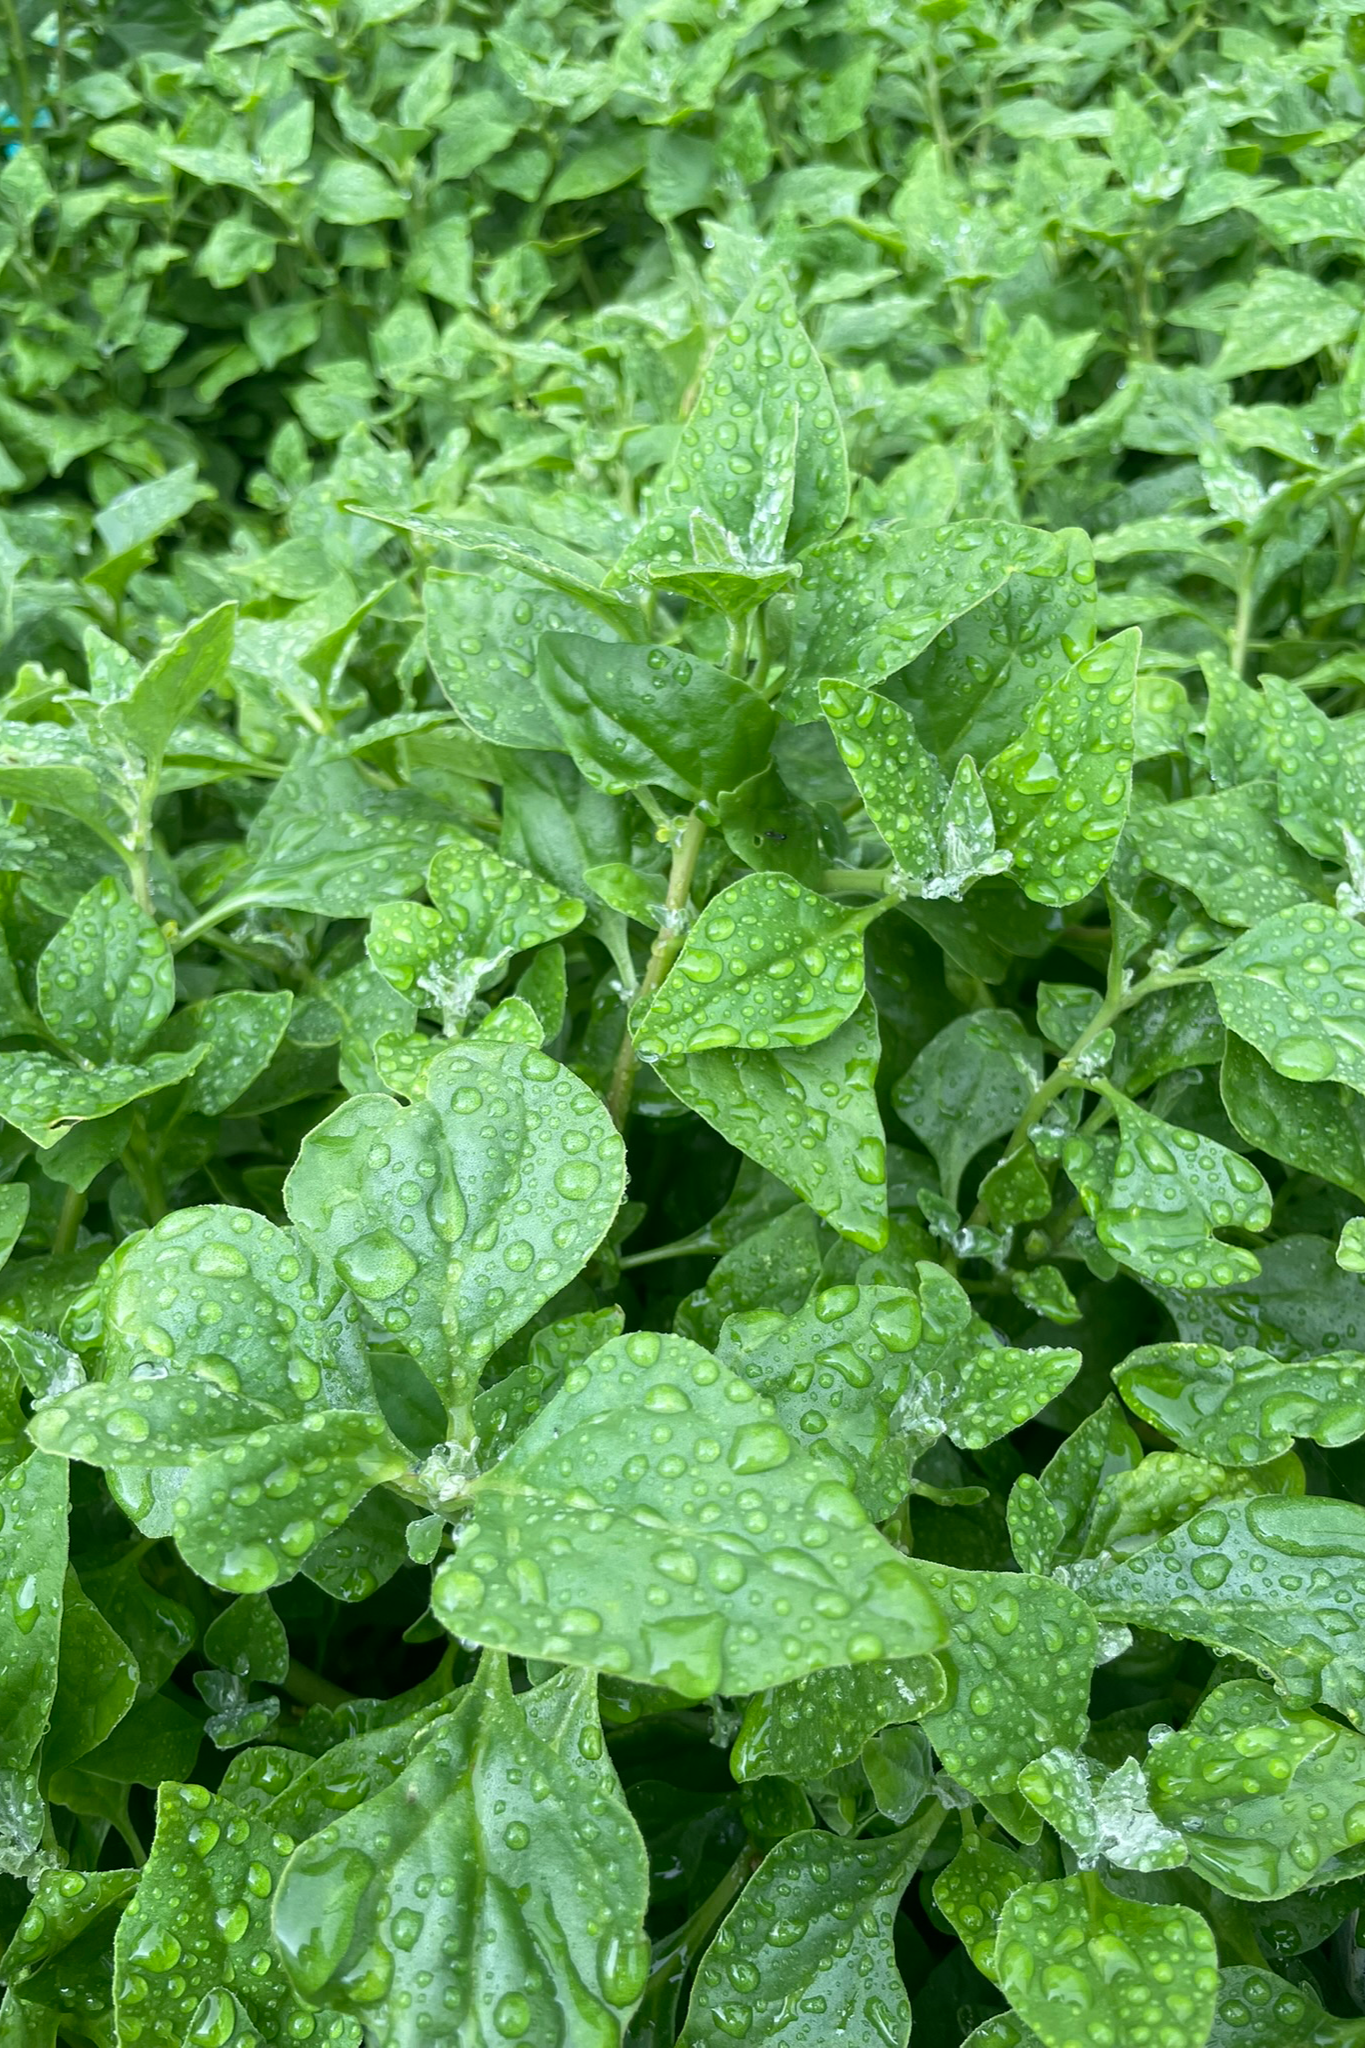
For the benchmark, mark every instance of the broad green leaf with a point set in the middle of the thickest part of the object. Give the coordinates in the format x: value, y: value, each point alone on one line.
x: 157, y: 1629
x: 452, y: 1219
x: 1020, y: 1654
x: 972, y: 1891
x: 1159, y: 1193
x: 1060, y: 791
x: 508, y: 1899
x: 1294, y: 988
x: 14, y: 1205
x: 816, y: 1724
x: 786, y: 1964
x: 1318, y: 1126
x: 171, y: 685
x: 632, y: 715
x: 1318, y: 767
x: 1267, y: 1797
x: 1284, y: 317
x: 44, y: 1096
x: 107, y: 980
x: 1300, y: 1305
x: 1227, y: 850
x: 482, y: 630
x: 941, y: 834
x: 869, y: 602
x: 767, y: 963
x: 549, y: 563
x: 1076, y: 1962
x: 970, y: 1084
x: 32, y: 1571
x: 976, y: 684
x: 770, y: 1105
x: 328, y: 841
x: 657, y: 1521
x: 1244, y: 1407
x: 72, y: 1913
x: 1257, y: 2009
x: 200, y: 1921
x: 761, y: 454
x: 1272, y: 1579
x: 834, y: 1372
x: 483, y: 909
x: 130, y: 522
x: 97, y: 1682
x: 241, y: 1030
x: 1101, y: 1813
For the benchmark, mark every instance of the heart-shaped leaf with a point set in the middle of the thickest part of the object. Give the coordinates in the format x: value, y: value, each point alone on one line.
x: 651, y: 1513
x: 452, y: 1219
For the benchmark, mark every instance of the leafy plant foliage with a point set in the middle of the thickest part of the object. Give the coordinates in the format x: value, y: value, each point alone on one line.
x: 682, y: 1025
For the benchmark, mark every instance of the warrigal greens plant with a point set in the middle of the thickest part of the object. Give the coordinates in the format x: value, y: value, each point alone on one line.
x: 682, y: 1024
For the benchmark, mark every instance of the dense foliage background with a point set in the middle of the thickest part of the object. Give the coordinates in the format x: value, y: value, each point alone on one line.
x: 830, y: 532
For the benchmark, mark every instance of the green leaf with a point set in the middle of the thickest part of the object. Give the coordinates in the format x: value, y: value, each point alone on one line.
x: 655, y: 1580
x: 483, y: 909
x: 130, y: 522
x: 1244, y: 1407
x: 97, y: 1682
x: 1158, y: 1194
x: 1270, y: 1579
x: 818, y: 1723
x: 1319, y: 773
x: 546, y: 1941
x: 1294, y: 988
x: 941, y: 835
x: 972, y: 1891
x: 1257, y: 2009
x: 171, y: 685
x: 761, y: 453
x: 44, y: 1096
x: 1060, y: 791
x: 328, y: 841
x: 870, y: 602
x: 1073, y: 1958
x: 970, y: 1084
x: 771, y: 1104
x: 32, y: 1571
x: 632, y: 715
x: 482, y: 629
x: 550, y: 563
x: 785, y: 1964
x: 1227, y: 850
x: 767, y: 963
x: 1284, y: 317
x: 57, y: 768
x: 454, y: 1218
x: 1266, y: 1796
x: 834, y: 1372
x: 199, y: 1921
x: 240, y: 1032
x: 1020, y: 1654
x: 1318, y: 1126
x: 107, y: 980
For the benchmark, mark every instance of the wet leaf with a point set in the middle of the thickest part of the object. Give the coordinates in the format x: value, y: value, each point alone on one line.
x: 1294, y: 988
x: 1072, y: 1954
x: 589, y: 1544
x: 511, y: 1893
x: 1244, y: 1407
x: 815, y: 1724
x: 971, y: 1083
x: 453, y: 1218
x: 1227, y: 850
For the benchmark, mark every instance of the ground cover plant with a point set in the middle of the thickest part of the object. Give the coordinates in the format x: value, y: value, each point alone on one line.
x: 682, y: 1025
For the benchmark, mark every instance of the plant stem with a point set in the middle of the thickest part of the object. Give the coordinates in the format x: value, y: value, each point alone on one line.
x: 859, y: 881
x: 311, y: 1690
x: 667, y: 945
x: 14, y: 36
x: 1241, y: 627
x: 68, y: 1223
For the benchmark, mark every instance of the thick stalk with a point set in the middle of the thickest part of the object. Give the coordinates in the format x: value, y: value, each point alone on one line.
x: 311, y: 1690
x: 667, y: 945
x: 69, y: 1222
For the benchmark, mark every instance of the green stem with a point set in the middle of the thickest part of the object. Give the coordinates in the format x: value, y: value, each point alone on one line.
x: 14, y: 36
x: 1240, y: 639
x: 1064, y: 1075
x: 69, y: 1222
x: 667, y: 945
x: 762, y: 653
x: 860, y: 881
x: 311, y: 1690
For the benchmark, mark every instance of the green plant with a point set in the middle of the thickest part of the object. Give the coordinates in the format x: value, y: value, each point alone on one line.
x: 682, y: 1027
